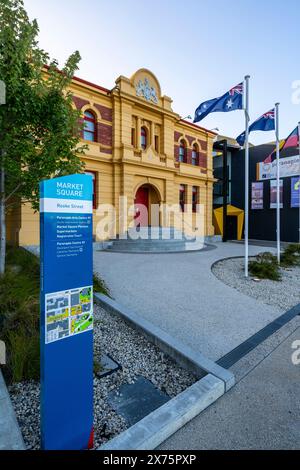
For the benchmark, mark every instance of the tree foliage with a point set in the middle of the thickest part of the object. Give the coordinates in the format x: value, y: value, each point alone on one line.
x: 39, y: 128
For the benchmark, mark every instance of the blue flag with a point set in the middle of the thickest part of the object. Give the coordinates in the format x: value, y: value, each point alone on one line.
x: 230, y: 101
x: 265, y: 123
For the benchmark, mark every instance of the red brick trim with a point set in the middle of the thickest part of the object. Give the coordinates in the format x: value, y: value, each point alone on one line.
x: 202, y: 159
x: 203, y: 144
x: 85, y: 82
x: 79, y: 102
x: 177, y: 136
x: 198, y: 127
x: 190, y: 139
x: 104, y: 133
x: 106, y: 113
x: 176, y: 153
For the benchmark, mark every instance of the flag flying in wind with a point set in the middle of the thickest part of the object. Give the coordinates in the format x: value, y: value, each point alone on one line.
x: 230, y: 101
x: 265, y: 123
x: 270, y: 157
x: 291, y: 141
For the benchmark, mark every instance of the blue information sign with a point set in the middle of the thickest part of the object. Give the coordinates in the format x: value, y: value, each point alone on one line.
x: 295, y: 191
x: 66, y: 312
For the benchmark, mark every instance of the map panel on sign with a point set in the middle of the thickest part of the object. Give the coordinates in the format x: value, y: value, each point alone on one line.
x: 68, y: 313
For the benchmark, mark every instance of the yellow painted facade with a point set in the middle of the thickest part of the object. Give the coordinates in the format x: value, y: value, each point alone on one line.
x: 122, y: 166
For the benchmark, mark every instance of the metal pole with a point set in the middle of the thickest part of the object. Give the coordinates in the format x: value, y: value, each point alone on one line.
x: 225, y: 178
x: 277, y: 184
x: 299, y: 178
x: 246, y: 173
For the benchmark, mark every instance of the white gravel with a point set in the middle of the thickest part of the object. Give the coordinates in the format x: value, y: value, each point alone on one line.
x: 283, y: 294
x: 137, y: 357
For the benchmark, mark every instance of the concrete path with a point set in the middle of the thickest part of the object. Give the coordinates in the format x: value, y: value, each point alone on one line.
x: 179, y: 293
x: 261, y: 412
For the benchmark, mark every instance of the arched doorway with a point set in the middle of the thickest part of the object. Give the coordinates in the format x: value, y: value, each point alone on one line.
x: 146, y: 202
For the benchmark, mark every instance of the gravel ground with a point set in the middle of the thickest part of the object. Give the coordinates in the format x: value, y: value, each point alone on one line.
x: 137, y: 357
x: 284, y: 294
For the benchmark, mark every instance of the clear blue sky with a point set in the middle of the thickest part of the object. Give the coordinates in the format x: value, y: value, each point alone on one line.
x: 198, y: 49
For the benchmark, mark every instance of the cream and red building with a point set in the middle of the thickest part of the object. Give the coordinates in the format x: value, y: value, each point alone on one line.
x: 138, y: 147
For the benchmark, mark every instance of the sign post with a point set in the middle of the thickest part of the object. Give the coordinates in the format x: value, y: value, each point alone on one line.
x: 66, y: 312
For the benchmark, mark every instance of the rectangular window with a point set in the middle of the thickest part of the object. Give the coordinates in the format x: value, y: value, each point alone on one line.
x: 156, y: 143
x: 195, y: 198
x: 133, y: 136
x: 182, y: 196
x: 94, y: 175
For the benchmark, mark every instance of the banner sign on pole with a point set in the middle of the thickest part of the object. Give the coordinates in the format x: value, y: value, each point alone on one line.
x: 273, y: 194
x: 257, y: 195
x: 288, y: 166
x: 295, y: 191
x: 66, y: 312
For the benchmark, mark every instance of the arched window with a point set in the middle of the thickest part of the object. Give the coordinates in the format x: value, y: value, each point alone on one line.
x: 89, y: 129
x: 195, y: 155
x: 182, y: 151
x: 143, y: 138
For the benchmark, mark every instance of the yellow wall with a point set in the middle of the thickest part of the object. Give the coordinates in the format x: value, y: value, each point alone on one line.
x: 122, y: 167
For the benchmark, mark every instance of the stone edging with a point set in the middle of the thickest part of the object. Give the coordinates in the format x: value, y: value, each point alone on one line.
x: 10, y: 433
x: 156, y: 427
x: 189, y: 359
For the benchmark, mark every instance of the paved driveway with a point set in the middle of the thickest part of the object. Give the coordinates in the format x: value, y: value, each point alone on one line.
x: 261, y: 412
x: 179, y: 293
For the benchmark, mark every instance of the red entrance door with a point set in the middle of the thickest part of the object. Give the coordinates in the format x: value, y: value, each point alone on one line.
x: 141, y: 207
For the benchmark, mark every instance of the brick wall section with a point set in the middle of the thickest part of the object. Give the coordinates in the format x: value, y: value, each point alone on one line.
x: 176, y: 153
x: 79, y: 102
x: 203, y: 145
x: 189, y: 156
x: 177, y: 136
x: 106, y: 113
x: 203, y: 159
x: 190, y: 139
x: 104, y: 134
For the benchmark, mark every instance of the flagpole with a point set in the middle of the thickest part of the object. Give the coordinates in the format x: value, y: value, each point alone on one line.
x: 246, y: 237
x: 277, y: 184
x: 299, y: 176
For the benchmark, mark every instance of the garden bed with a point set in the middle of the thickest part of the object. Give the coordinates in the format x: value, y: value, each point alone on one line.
x: 283, y: 294
x: 137, y: 357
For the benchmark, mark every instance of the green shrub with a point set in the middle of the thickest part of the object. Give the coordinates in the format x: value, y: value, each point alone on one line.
x: 24, y: 354
x: 265, y: 266
x: 291, y: 255
x: 100, y: 286
x: 20, y: 314
x: 293, y: 248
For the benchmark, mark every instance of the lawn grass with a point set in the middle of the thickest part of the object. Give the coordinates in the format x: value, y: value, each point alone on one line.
x: 20, y: 314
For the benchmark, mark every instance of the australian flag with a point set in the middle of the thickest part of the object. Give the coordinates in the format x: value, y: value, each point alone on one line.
x: 265, y: 123
x: 230, y: 101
